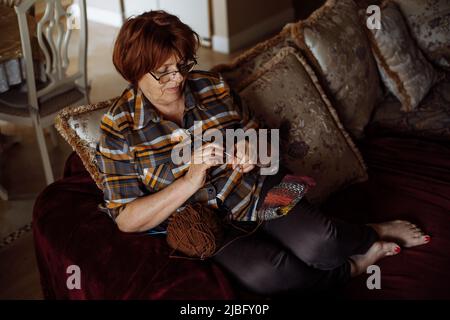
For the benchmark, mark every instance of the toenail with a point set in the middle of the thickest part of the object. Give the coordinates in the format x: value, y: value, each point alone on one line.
x: 397, y: 249
x: 427, y: 238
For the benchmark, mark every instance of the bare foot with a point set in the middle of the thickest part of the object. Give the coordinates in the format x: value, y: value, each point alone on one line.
x: 403, y: 232
x: 380, y: 249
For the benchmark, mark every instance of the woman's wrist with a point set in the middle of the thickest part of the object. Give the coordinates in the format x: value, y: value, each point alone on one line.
x: 189, y: 184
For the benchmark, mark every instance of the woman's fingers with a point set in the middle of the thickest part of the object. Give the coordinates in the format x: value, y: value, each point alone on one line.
x: 208, y: 154
x: 213, y: 160
x: 211, y: 154
x: 247, y: 167
x: 243, y: 162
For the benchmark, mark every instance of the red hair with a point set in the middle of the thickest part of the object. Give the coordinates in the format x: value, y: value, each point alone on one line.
x: 145, y: 42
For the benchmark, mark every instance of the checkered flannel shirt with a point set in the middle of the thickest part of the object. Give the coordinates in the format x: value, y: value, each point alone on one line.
x: 134, y: 151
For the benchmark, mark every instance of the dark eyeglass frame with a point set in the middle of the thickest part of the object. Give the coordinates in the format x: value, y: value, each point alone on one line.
x: 183, y: 73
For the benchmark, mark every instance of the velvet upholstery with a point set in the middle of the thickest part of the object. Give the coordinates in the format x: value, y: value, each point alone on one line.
x: 286, y: 94
x: 69, y: 229
x: 334, y: 40
x: 408, y: 179
x: 403, y: 67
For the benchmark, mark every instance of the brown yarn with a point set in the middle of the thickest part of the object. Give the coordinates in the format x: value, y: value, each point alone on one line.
x: 196, y: 231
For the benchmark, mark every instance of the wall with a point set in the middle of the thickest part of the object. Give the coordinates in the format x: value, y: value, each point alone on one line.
x: 303, y: 8
x: 219, y: 13
x: 110, y: 5
x: 238, y: 23
x: 106, y: 12
x: 109, y: 11
x: 245, y: 14
x: 235, y: 23
x: 195, y: 13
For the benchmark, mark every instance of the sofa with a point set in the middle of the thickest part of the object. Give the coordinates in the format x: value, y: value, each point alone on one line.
x: 377, y: 152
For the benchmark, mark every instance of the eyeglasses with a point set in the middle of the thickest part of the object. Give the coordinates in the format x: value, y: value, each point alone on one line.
x: 183, y: 69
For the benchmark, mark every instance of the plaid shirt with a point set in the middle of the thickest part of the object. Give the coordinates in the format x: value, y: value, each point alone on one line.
x: 134, y: 151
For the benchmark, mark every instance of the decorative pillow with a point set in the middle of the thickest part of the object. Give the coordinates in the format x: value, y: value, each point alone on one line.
x: 430, y: 120
x: 80, y: 127
x: 334, y: 40
x: 236, y: 72
x: 286, y: 94
x: 403, y: 67
x: 429, y: 22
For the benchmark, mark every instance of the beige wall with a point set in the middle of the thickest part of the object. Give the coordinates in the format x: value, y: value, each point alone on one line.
x: 219, y: 17
x: 110, y: 5
x: 240, y: 23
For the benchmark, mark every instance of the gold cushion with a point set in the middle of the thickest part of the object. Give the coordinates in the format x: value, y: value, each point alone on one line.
x: 285, y: 94
x: 334, y: 40
x: 403, y: 67
x: 429, y: 22
x: 80, y: 127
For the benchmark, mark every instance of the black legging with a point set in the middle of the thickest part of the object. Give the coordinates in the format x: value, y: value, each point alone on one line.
x: 303, y: 251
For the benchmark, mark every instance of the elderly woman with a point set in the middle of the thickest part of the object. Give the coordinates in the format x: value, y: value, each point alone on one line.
x: 303, y: 250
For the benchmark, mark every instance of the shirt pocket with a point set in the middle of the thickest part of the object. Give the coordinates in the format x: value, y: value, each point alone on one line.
x: 157, y: 178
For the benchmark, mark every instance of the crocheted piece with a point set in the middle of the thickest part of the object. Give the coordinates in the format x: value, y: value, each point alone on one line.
x: 283, y: 197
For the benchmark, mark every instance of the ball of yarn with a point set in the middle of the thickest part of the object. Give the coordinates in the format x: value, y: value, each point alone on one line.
x: 196, y: 231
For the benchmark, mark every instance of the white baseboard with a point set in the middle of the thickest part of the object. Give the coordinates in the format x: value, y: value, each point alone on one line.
x: 254, y: 33
x: 104, y: 16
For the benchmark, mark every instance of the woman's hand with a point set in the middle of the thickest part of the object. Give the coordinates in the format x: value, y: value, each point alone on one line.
x: 207, y: 156
x: 242, y: 161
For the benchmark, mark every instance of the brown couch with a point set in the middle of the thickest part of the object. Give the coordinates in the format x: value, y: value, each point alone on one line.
x: 408, y: 177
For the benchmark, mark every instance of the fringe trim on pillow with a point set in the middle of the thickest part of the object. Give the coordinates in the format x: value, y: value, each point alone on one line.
x: 277, y: 59
x: 283, y: 37
x: 406, y: 103
x: 80, y: 146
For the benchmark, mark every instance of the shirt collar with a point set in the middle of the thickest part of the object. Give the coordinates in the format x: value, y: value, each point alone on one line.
x: 144, y: 111
x: 189, y: 99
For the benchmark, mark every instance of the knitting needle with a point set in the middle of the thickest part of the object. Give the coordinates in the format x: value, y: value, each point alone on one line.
x: 188, y: 132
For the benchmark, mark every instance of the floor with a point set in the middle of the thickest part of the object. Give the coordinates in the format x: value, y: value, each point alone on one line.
x: 22, y: 175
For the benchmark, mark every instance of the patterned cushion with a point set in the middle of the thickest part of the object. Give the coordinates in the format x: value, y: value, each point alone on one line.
x: 429, y: 22
x: 285, y: 94
x: 80, y: 127
x: 430, y: 120
x: 237, y: 72
x: 334, y: 40
x: 404, y: 69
